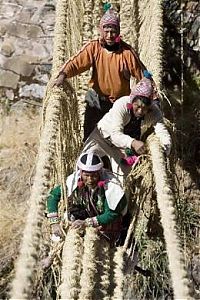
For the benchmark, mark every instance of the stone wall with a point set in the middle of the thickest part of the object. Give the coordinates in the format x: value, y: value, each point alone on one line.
x: 26, y: 46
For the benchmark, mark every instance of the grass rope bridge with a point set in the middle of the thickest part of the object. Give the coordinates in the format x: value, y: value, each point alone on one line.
x: 61, y: 125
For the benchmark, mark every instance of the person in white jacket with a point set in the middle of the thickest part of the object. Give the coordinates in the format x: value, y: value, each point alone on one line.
x: 110, y: 136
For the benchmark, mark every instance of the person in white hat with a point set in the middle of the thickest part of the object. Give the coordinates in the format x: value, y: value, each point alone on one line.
x: 96, y: 199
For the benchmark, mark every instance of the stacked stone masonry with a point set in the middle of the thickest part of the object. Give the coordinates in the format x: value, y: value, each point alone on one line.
x: 26, y: 43
x: 26, y: 47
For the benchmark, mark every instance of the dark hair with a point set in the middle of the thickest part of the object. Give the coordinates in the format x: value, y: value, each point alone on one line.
x: 95, y: 159
x: 145, y: 100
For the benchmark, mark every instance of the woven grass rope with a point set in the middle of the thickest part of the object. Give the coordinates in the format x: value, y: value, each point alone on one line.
x: 61, y: 125
x: 71, y: 265
x: 165, y: 203
x: 89, y: 265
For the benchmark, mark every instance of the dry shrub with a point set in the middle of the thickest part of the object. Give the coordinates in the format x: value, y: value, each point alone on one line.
x: 152, y: 257
x: 19, y: 136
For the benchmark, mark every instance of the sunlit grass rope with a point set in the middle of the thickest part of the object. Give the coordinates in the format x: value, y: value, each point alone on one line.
x: 71, y: 261
x: 97, y: 13
x: 75, y: 22
x: 68, y: 38
x: 21, y: 285
x: 26, y: 263
x: 119, y: 277
x: 165, y: 201
x: 129, y: 22
x: 150, y: 37
x: 104, y: 268
x: 89, y: 264
x: 87, y: 35
x: 150, y: 49
x: 74, y: 42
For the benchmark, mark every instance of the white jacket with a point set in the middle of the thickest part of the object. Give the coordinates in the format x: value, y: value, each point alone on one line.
x: 112, y: 124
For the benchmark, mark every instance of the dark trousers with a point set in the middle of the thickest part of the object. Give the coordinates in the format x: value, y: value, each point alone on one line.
x: 93, y: 115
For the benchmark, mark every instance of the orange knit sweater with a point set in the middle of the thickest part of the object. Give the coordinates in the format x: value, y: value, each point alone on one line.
x: 111, y: 71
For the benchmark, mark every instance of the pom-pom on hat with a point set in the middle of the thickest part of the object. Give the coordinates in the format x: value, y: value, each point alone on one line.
x: 110, y: 17
x: 144, y: 87
x: 89, y: 162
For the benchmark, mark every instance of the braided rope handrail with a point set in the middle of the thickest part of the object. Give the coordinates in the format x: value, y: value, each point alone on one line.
x: 150, y: 37
x: 89, y: 264
x: 31, y: 238
x: 165, y: 201
x: 150, y: 12
x: 150, y: 49
x: 71, y: 270
x: 128, y: 22
x: 21, y: 285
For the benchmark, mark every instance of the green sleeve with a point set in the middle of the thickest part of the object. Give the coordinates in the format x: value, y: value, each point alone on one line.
x: 53, y: 200
x: 111, y: 215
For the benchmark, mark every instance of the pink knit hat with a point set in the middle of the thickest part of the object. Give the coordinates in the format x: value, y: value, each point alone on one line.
x: 143, y: 88
x: 110, y: 18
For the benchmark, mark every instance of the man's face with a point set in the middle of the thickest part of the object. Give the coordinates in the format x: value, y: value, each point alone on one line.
x: 90, y: 179
x: 140, y: 109
x: 110, y: 32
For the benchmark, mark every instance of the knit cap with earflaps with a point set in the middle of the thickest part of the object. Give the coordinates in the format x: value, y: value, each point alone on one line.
x: 110, y: 17
x: 143, y: 88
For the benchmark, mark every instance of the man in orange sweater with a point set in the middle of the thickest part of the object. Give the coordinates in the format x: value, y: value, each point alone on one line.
x: 113, y: 63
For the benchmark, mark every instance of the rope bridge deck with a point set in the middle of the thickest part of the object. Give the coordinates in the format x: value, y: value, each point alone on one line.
x: 86, y: 271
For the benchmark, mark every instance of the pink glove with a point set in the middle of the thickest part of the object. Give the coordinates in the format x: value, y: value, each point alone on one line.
x: 130, y: 160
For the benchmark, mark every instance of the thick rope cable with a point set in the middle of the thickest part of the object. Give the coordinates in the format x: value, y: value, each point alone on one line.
x: 129, y: 22
x: 28, y: 256
x: 150, y: 37
x: 151, y: 54
x: 149, y: 15
x: 165, y: 201
x: 71, y: 270
x: 97, y: 13
x: 89, y: 266
x: 86, y: 33
x: 118, y: 273
x: 21, y: 285
x: 103, y: 254
x: 74, y: 42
